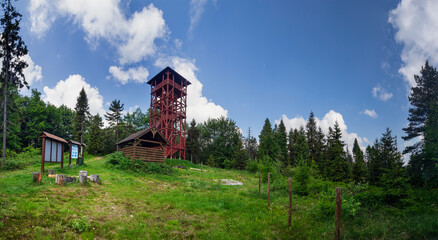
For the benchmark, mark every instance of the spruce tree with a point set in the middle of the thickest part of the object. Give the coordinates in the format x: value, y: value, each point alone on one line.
x: 193, y: 145
x: 281, y: 139
x: 358, y: 171
x: 12, y: 48
x: 114, y: 116
x: 268, y: 146
x: 320, y: 149
x: 81, y: 117
x: 251, y: 145
x: 312, y: 137
x: 337, y: 162
x: 301, y: 149
x: 96, y: 141
x: 292, y: 139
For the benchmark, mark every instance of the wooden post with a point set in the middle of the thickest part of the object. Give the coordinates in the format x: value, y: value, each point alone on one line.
x: 69, y: 158
x: 201, y: 167
x: 338, y: 213
x: 260, y: 181
x: 269, y: 189
x: 290, y: 202
x: 43, y: 155
x: 62, y: 155
x: 37, y: 177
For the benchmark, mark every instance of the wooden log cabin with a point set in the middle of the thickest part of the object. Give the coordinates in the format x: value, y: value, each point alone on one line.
x: 146, y: 145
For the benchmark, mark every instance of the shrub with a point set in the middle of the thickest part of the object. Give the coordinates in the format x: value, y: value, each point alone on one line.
x: 119, y: 161
x: 325, y: 207
x: 302, y: 178
x: 252, y: 166
x: 267, y: 165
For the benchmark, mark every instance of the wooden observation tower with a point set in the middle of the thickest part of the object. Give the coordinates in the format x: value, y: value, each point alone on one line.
x: 168, y: 109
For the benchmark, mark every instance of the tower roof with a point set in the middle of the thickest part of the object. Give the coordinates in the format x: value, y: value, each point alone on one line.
x: 178, y: 78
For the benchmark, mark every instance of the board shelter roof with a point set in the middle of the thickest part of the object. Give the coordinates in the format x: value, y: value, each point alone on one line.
x: 76, y: 143
x: 178, y: 78
x: 151, y: 133
x: 53, y: 137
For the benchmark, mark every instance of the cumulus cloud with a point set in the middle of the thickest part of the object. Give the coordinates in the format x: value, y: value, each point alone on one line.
x: 67, y: 91
x: 134, y: 37
x: 327, y: 121
x: 196, y: 10
x: 370, y: 113
x: 415, y: 23
x: 33, y: 72
x: 198, y: 106
x: 41, y: 16
x: 138, y: 75
x: 381, y: 93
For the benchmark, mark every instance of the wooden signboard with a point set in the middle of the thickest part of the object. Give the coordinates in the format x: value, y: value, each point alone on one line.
x: 53, y: 149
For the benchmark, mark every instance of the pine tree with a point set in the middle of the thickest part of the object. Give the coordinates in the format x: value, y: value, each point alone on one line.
x: 82, y: 112
x: 358, y: 171
x: 193, y: 145
x: 12, y: 48
x: 95, y: 145
x: 114, y: 116
x: 281, y: 139
x: 267, y: 146
x: 430, y: 161
x: 423, y: 96
x: 337, y: 162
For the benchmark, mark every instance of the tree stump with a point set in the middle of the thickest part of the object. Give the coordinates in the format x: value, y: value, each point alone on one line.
x: 95, y: 178
x: 83, y: 176
x: 60, y: 179
x: 37, y: 177
x: 70, y: 179
x: 51, y: 172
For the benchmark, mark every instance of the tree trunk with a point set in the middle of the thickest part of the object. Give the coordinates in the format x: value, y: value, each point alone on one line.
x: 117, y: 134
x: 5, y: 114
x: 82, y: 131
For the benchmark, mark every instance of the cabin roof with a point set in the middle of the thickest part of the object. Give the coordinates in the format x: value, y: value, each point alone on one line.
x: 151, y: 133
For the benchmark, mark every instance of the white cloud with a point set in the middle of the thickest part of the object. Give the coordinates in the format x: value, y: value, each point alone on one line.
x: 33, y: 72
x: 138, y: 75
x: 327, y: 121
x: 370, y: 113
x: 196, y: 11
x: 416, y: 23
x: 41, y: 16
x: 198, y: 106
x: 381, y: 93
x: 134, y: 37
x: 67, y: 91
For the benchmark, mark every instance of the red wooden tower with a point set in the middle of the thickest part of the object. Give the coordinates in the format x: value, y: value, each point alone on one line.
x: 168, y: 109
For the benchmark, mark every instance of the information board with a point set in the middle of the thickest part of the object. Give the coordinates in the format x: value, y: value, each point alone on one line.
x: 74, y: 151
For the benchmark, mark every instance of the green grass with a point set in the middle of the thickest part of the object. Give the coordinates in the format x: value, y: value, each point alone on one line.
x: 185, y: 205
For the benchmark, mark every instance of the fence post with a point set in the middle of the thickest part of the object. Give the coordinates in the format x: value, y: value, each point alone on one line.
x: 269, y: 189
x: 290, y: 202
x: 201, y: 167
x: 260, y: 181
x: 338, y: 213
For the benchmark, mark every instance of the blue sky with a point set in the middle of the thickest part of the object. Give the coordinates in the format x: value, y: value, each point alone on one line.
x: 347, y: 61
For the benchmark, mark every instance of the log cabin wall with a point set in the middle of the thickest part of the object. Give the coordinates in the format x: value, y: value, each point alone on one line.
x: 143, y: 153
